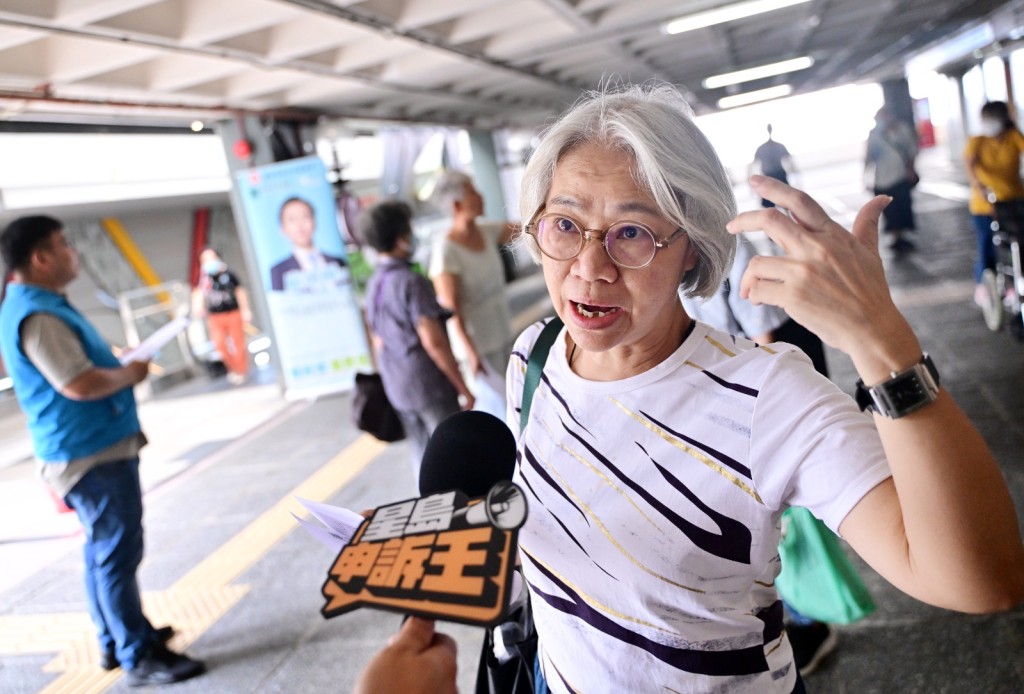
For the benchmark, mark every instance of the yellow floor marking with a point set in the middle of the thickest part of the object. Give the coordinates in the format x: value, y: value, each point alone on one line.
x: 195, y: 602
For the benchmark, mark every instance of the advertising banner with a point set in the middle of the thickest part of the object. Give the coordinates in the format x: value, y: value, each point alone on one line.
x: 315, y: 317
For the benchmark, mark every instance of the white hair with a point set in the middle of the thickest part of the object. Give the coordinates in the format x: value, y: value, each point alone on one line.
x: 673, y: 160
x: 449, y: 189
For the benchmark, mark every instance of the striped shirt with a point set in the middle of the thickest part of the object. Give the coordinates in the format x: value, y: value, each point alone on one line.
x: 655, y: 502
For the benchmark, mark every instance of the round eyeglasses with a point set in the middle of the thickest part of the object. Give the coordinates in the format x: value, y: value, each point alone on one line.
x: 628, y: 244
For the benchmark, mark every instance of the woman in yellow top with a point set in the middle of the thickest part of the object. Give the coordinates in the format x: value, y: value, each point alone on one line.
x: 993, y: 168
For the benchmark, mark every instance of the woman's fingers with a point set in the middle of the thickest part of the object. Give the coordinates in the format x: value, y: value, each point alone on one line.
x: 764, y: 270
x: 830, y: 280
x: 804, y: 209
x: 780, y: 227
x: 791, y: 231
x: 865, y: 226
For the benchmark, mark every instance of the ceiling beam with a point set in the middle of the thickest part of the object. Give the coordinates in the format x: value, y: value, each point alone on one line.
x: 388, y: 28
x: 569, y: 13
x: 254, y: 59
x: 223, y: 111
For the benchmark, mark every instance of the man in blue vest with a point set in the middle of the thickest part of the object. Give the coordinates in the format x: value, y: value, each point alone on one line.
x: 81, y: 413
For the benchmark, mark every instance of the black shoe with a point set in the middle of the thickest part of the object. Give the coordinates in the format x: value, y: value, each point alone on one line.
x: 162, y: 666
x: 811, y: 644
x: 108, y: 660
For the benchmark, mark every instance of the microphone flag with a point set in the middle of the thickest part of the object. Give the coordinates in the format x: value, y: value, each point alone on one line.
x: 440, y: 556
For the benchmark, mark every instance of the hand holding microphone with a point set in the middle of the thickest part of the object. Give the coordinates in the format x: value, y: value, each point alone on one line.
x: 417, y: 660
x: 440, y: 555
x: 446, y: 554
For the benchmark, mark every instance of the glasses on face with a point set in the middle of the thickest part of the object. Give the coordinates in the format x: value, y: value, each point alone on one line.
x: 628, y: 244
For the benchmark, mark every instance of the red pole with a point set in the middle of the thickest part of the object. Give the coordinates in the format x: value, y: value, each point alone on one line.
x: 200, y: 234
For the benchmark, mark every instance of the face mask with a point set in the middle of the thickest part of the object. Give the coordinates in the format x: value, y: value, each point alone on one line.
x: 212, y: 267
x: 991, y: 128
x: 411, y: 244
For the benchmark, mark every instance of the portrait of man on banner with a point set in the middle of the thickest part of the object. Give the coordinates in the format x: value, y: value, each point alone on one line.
x: 315, y: 316
x: 307, y: 268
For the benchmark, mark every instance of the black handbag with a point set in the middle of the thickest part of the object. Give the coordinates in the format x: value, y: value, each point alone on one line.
x: 372, y: 412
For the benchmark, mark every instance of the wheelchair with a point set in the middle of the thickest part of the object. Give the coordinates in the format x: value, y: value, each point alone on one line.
x: 1005, y: 282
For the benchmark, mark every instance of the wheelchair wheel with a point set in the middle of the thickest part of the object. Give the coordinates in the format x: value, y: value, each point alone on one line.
x: 993, y: 310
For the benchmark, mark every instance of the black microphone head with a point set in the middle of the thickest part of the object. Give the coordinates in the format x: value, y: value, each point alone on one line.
x: 469, y: 451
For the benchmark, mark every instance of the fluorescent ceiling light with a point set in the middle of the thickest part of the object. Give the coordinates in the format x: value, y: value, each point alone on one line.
x: 725, y: 14
x: 756, y: 73
x: 755, y: 96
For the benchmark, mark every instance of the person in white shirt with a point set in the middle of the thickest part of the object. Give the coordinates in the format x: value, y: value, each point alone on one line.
x: 298, y: 224
x: 469, y: 279
x: 659, y: 453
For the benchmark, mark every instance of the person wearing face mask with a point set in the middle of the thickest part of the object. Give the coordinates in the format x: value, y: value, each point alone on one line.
x: 993, y: 169
x: 414, y: 358
x: 220, y: 298
x: 891, y: 151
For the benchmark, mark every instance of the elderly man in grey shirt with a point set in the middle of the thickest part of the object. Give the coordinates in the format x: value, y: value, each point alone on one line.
x: 415, y: 360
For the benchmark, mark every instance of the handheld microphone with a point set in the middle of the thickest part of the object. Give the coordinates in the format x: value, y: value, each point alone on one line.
x: 447, y: 554
x: 469, y: 451
x: 475, y: 452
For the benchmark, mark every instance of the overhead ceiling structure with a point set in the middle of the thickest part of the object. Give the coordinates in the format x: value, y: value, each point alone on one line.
x: 479, y: 63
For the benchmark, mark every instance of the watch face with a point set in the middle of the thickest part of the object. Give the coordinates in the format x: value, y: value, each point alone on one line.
x: 906, y: 392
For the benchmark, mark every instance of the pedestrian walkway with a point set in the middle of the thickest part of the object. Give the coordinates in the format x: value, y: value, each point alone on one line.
x: 227, y: 566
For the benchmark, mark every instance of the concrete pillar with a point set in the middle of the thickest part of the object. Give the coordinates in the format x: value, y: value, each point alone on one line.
x: 486, y: 175
x: 898, y: 101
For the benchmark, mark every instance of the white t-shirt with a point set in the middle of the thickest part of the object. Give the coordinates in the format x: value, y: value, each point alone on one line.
x: 481, y: 278
x: 651, y: 546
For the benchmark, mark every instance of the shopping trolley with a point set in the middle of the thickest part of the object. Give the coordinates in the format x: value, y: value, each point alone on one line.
x: 1005, y: 282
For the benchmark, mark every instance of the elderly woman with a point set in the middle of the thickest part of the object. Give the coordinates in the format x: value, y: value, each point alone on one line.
x: 660, y: 453
x: 469, y: 278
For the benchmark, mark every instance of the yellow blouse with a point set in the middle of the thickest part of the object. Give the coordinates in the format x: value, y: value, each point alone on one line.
x: 997, y: 167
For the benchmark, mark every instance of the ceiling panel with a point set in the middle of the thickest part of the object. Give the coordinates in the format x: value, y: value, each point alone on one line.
x: 472, y: 62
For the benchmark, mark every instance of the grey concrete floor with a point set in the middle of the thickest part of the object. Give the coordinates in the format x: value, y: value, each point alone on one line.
x: 261, y: 630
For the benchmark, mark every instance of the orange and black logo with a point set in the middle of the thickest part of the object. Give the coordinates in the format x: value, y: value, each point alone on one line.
x: 440, y: 556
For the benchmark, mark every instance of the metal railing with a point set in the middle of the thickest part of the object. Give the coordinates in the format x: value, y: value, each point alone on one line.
x: 147, y: 309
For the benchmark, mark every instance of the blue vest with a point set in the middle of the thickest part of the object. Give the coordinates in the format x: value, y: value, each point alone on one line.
x: 62, y: 429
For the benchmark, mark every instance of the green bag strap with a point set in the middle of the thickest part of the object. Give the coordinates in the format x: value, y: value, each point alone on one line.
x: 535, y: 365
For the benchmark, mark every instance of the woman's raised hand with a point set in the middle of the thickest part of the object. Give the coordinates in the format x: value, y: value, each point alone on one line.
x: 830, y: 280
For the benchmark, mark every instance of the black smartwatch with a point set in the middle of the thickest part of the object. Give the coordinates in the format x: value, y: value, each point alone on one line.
x: 903, y: 392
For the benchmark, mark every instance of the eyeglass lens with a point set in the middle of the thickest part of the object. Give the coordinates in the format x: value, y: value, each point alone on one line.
x: 627, y: 243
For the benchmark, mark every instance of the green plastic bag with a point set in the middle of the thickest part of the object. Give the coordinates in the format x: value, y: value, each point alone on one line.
x: 817, y: 580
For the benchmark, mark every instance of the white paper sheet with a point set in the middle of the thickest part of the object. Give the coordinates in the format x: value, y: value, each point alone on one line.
x: 148, y: 348
x: 339, y: 524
